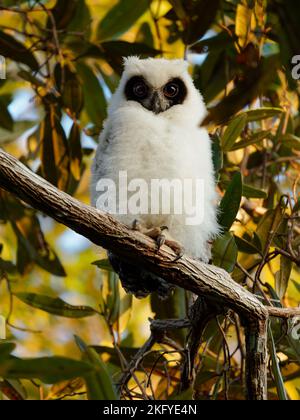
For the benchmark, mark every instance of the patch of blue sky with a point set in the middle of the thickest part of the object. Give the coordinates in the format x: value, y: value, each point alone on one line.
x: 71, y: 243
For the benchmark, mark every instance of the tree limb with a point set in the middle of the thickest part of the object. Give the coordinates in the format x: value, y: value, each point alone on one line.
x: 210, y: 282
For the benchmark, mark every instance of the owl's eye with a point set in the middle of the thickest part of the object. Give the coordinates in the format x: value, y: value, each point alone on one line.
x: 140, y: 90
x: 171, y: 90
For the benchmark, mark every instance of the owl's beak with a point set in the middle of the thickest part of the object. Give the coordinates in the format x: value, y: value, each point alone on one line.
x: 156, y: 103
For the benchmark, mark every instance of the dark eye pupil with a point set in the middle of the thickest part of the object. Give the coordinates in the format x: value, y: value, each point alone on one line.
x: 140, y: 90
x: 171, y: 90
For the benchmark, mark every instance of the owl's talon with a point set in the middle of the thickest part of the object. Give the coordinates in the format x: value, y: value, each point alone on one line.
x: 136, y: 225
x: 176, y: 247
x: 179, y: 255
x: 160, y: 240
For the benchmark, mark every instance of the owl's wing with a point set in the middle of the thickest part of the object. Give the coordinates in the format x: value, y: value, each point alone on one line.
x: 103, y: 149
x: 99, y: 165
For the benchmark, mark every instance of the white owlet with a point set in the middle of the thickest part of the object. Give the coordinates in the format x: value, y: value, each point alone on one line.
x: 153, y: 168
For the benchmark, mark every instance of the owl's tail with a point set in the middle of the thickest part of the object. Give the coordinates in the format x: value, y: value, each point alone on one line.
x: 138, y: 281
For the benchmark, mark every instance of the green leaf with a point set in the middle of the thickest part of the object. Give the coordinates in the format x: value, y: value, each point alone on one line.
x: 32, y: 245
x: 230, y: 203
x: 282, y: 277
x: 179, y: 8
x: 246, y: 246
x: 269, y: 224
x: 215, y: 44
x: 6, y: 120
x: 291, y: 141
x: 255, y: 81
x: 13, y: 49
x: 144, y: 35
x: 263, y: 113
x: 201, y: 15
x: 48, y: 369
x: 8, y: 266
x: 297, y: 285
x: 276, y: 369
x: 233, y: 131
x: 104, y: 264
x: 225, y: 252
x: 63, y: 13
x: 55, y: 306
x: 120, y: 18
x: 99, y: 383
x: 113, y: 300
x: 251, y: 192
x: 252, y: 140
x: 217, y: 155
x: 81, y: 20
x: 6, y: 348
x: 95, y: 104
x: 114, y: 51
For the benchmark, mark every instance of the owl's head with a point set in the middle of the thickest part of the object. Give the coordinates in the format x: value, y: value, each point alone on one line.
x: 160, y: 86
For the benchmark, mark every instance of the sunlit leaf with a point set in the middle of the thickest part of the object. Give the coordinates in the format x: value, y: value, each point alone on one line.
x: 243, y: 23
x: 282, y: 277
x: 76, y: 151
x: 269, y: 224
x: 262, y: 113
x: 55, y: 155
x: 233, y: 131
x: 251, y: 141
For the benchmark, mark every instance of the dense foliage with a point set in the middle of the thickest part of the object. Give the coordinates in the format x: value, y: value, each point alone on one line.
x: 64, y: 58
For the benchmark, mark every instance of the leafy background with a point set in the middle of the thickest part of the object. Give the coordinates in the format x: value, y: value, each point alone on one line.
x: 64, y: 59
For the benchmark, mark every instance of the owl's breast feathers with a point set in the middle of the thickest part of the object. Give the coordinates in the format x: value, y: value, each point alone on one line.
x: 169, y: 145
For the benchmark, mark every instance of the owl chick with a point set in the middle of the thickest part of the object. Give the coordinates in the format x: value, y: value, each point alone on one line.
x: 153, y: 133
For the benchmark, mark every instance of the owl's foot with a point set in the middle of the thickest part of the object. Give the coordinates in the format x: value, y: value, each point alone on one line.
x: 162, y: 237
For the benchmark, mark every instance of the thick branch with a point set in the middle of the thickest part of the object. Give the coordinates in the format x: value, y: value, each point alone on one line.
x: 103, y: 230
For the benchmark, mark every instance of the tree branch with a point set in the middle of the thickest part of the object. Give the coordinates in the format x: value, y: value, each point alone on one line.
x: 210, y: 282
